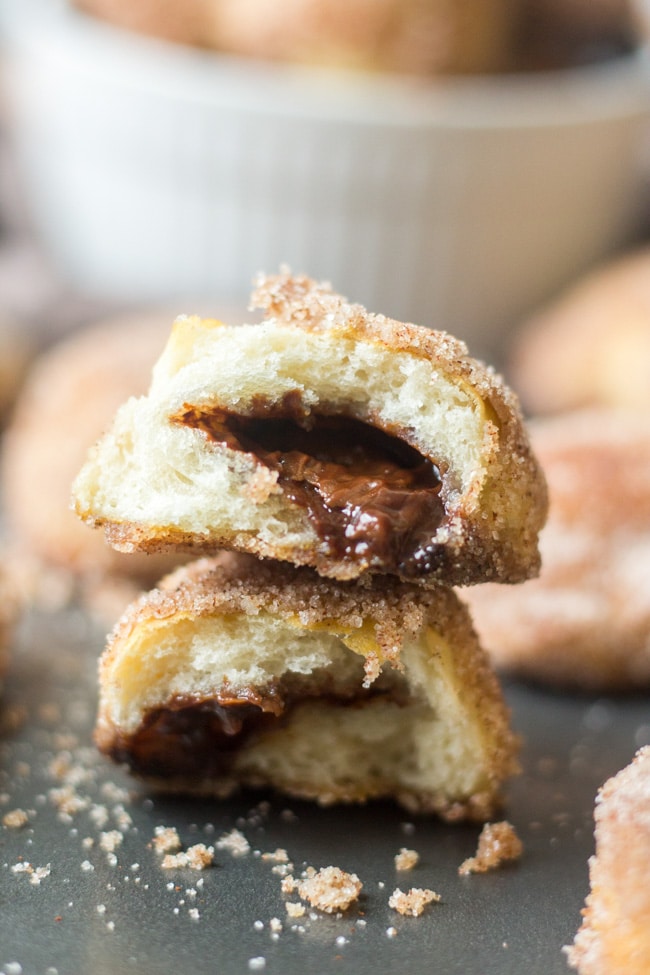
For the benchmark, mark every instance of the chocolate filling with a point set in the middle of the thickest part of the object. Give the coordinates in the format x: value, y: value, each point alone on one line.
x: 199, y: 739
x: 370, y: 497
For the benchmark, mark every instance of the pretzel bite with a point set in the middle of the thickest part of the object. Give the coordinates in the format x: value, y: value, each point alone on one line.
x: 324, y: 436
x: 585, y: 622
x: 238, y: 672
x: 590, y: 347
x: 615, y: 935
x: 424, y: 37
x: 421, y: 37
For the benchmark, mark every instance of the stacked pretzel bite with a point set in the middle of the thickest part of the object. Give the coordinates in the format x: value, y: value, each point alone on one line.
x: 337, y: 473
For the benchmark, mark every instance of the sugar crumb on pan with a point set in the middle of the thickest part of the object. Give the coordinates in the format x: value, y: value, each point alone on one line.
x: 497, y: 843
x: 197, y: 857
x: 412, y: 902
x: 406, y: 859
x: 166, y: 840
x: 329, y: 889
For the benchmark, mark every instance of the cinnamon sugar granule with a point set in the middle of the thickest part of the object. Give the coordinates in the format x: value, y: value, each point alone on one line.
x: 234, y: 842
x: 498, y: 842
x: 197, y: 857
x: 329, y: 889
x: 166, y: 839
x: 15, y: 819
x: 413, y: 901
x: 406, y: 859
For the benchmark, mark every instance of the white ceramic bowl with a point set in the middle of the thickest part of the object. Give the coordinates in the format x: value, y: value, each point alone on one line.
x: 158, y: 172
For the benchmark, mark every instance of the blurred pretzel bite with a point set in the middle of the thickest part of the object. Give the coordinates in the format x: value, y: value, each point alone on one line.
x: 68, y: 399
x: 242, y: 673
x: 615, y: 935
x: 8, y: 612
x: 421, y: 37
x: 325, y: 436
x: 591, y: 346
x: 585, y: 622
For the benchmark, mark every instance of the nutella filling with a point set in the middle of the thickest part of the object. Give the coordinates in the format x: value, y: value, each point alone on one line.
x: 370, y: 497
x: 199, y: 739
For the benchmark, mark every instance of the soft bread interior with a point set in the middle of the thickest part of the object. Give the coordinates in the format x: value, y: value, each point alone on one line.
x: 153, y: 471
x: 421, y: 732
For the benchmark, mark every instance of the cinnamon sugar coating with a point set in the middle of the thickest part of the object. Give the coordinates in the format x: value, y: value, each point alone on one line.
x: 615, y: 935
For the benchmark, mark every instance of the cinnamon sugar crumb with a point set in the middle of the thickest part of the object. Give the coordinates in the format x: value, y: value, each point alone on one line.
x: 166, y: 839
x: 277, y: 856
x: 330, y: 889
x: 288, y: 884
x: 498, y: 842
x: 197, y: 857
x: 294, y: 910
x: 406, y: 859
x: 413, y: 901
x: 109, y: 841
x: 15, y: 819
x: 235, y: 842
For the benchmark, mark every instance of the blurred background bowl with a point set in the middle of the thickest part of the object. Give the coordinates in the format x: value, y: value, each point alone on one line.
x: 157, y: 172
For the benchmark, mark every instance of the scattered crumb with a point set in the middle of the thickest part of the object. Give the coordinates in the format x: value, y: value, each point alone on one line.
x: 166, y: 839
x: 234, y: 842
x: 498, y: 842
x: 257, y: 964
x: 15, y: 819
x: 391, y: 932
x: 406, y: 859
x: 294, y: 910
x: 412, y: 902
x: 197, y: 857
x: 278, y: 856
x: 110, y: 841
x: 330, y: 889
x: 288, y: 884
x: 275, y: 925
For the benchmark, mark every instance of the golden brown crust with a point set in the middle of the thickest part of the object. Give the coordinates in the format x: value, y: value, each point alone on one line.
x: 238, y: 583
x: 585, y: 622
x: 615, y: 936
